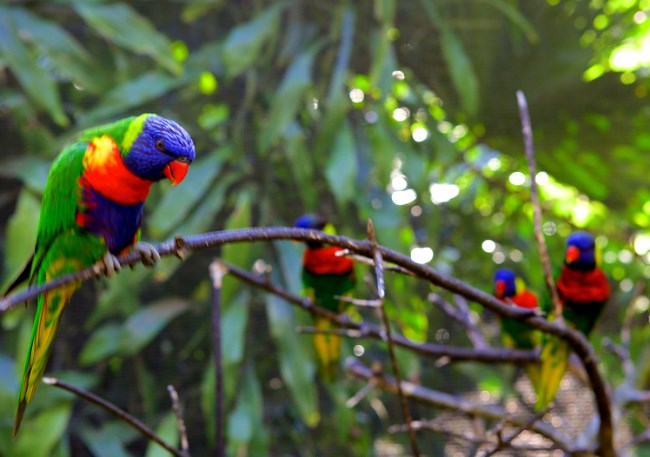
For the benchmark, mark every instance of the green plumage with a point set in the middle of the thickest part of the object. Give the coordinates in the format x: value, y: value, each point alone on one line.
x: 92, y: 206
x: 322, y: 290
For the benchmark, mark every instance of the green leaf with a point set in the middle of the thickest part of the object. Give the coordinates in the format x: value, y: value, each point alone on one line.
x: 48, y: 426
x: 233, y: 327
x: 289, y: 97
x: 21, y: 233
x: 124, y: 26
x: 66, y: 54
x: 461, y: 69
x: 341, y: 171
x: 296, y: 361
x: 242, y: 46
x: 104, y: 342
x: 34, y: 79
x: 109, y: 440
x: 168, y: 431
x: 145, y: 325
x: 515, y: 16
x: 175, y: 206
x: 134, y: 334
x: 29, y: 169
x: 130, y: 94
x: 245, y: 422
x: 236, y: 253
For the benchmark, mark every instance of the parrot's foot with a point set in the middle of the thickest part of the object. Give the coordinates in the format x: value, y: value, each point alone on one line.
x: 148, y: 253
x: 111, y: 264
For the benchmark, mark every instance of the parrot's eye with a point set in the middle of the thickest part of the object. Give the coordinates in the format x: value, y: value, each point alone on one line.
x: 160, y: 145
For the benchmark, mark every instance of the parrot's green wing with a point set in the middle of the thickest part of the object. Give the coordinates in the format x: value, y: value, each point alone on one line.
x: 554, y: 361
x: 60, y: 249
x: 322, y: 290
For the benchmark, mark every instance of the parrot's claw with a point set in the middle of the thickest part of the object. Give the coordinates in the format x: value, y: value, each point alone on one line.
x: 111, y: 264
x: 148, y: 253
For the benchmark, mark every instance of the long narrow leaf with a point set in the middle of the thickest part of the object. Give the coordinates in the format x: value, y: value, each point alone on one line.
x: 34, y: 79
x: 124, y: 26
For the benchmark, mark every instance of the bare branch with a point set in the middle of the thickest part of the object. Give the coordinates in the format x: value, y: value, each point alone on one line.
x: 455, y: 403
x: 182, y: 431
x: 502, y: 444
x: 117, y: 412
x: 364, y: 330
x: 527, y: 132
x: 217, y: 271
x: 576, y: 340
x: 461, y: 315
x: 601, y: 391
x: 381, y: 293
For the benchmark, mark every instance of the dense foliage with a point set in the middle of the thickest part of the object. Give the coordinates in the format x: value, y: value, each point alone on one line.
x: 402, y: 112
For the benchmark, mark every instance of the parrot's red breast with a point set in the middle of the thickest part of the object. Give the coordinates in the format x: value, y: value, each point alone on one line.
x: 323, y: 261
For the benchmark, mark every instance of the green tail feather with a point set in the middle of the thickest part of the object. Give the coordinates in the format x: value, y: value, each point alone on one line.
x: 46, y: 323
x: 328, y: 350
x: 554, y: 362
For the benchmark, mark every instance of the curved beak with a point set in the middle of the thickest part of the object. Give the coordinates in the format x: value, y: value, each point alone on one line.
x: 500, y: 289
x: 572, y: 254
x: 176, y: 170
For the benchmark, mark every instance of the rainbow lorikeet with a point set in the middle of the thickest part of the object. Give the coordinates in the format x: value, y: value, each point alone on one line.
x: 583, y: 290
x: 325, y: 276
x: 517, y: 334
x: 92, y: 210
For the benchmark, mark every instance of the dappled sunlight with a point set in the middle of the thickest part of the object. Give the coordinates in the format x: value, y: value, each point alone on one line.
x: 421, y: 254
x: 443, y: 192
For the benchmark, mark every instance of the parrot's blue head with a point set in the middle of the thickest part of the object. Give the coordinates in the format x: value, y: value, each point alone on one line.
x: 315, y: 222
x: 310, y: 221
x: 505, y: 284
x: 160, y: 148
x: 580, y: 251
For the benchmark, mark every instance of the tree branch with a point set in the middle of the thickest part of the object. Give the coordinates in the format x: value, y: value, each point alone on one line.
x: 217, y: 272
x: 527, y: 132
x: 182, y: 431
x: 177, y: 246
x: 455, y: 403
x: 365, y: 330
x: 381, y: 294
x: 117, y: 412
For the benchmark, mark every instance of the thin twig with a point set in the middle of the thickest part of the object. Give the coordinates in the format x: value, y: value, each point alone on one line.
x: 182, y: 431
x: 359, y: 301
x: 117, y: 412
x: 365, y: 330
x: 217, y: 272
x: 371, y: 262
x: 527, y: 132
x: 456, y: 403
x: 360, y: 395
x: 329, y: 331
x: 461, y: 315
x: 381, y: 294
x: 601, y: 391
x: 502, y: 444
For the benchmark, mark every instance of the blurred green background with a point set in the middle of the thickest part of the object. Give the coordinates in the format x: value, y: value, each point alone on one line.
x: 403, y: 112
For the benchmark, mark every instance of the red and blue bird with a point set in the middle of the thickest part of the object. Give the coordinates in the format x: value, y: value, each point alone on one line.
x: 92, y: 211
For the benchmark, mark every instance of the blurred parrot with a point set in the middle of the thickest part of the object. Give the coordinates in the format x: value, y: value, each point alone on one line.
x: 92, y: 211
x: 517, y: 334
x: 583, y: 290
x: 324, y: 277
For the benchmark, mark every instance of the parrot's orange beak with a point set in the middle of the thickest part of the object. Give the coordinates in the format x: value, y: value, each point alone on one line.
x: 176, y: 170
x: 500, y: 289
x: 572, y: 254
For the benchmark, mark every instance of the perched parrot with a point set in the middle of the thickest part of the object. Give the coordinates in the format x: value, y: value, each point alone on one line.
x: 517, y: 334
x: 92, y: 211
x: 583, y: 290
x: 325, y: 276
